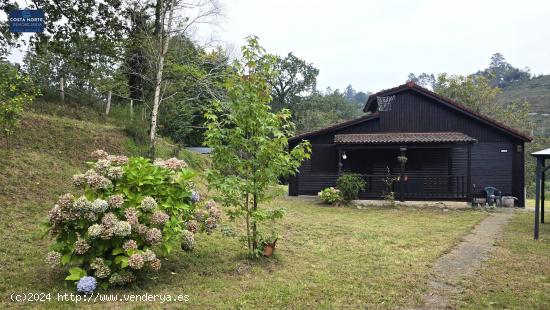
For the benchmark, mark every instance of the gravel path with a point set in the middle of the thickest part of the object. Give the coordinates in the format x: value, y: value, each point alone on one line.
x: 464, y: 259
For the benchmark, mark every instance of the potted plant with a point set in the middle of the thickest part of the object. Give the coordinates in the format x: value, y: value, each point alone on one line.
x: 269, y: 243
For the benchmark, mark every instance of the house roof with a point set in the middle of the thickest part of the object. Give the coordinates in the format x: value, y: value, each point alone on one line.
x: 542, y: 153
x: 404, y: 137
x: 453, y: 104
x: 199, y: 149
x: 334, y: 127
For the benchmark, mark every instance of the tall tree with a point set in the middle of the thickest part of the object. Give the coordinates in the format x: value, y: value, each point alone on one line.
x: 354, y: 97
x: 297, y: 79
x: 177, y: 17
x: 136, y: 62
x: 424, y: 79
x: 8, y: 39
x: 194, y: 77
x: 476, y: 93
x: 323, y: 109
x: 502, y: 74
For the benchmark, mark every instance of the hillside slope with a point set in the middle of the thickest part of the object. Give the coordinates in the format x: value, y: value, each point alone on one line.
x: 537, y: 92
x: 46, y: 152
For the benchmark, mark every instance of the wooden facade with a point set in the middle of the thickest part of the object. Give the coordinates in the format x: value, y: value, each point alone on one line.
x: 494, y: 156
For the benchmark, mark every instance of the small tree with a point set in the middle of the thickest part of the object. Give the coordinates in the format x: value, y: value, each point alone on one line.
x: 389, y: 180
x: 16, y: 91
x: 249, y: 143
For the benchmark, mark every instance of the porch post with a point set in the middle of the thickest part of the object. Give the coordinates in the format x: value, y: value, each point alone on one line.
x: 543, y: 179
x: 469, y: 173
x: 402, y: 176
x: 339, y: 161
x: 538, y: 174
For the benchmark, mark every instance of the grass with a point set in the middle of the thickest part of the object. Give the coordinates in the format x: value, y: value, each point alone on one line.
x: 327, y: 257
x: 518, y: 275
x: 530, y: 204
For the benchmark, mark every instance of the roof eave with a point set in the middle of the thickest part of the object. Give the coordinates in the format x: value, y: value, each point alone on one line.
x: 341, y: 125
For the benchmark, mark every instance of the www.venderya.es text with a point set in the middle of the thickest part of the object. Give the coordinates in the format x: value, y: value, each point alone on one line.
x: 97, y: 297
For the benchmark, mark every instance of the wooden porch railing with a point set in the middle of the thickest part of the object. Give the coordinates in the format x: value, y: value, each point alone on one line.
x: 418, y: 186
x: 415, y: 186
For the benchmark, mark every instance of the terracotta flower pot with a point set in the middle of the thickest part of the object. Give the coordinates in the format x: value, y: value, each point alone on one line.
x: 269, y: 248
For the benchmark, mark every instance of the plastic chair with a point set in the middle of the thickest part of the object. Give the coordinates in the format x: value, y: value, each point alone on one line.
x: 493, y: 195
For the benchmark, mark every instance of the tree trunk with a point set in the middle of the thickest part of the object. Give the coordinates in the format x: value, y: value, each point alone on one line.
x: 164, y: 38
x: 62, y: 90
x: 108, y: 103
x: 254, y: 228
x: 131, y: 109
x: 248, y: 224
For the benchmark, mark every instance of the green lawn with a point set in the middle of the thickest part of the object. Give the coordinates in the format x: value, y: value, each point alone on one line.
x: 518, y: 275
x: 329, y: 257
x: 530, y: 204
x: 376, y: 257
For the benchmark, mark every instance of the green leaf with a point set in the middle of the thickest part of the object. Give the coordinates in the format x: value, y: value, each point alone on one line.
x: 65, y: 259
x: 117, y: 251
x: 75, y: 274
x: 118, y: 259
x: 124, y: 262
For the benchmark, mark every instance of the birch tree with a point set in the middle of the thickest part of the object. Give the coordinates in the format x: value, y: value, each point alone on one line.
x: 174, y: 18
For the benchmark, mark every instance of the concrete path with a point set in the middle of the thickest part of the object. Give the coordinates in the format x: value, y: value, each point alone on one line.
x: 464, y: 259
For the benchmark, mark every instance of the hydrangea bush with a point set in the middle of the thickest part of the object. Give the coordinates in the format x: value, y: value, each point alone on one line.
x: 330, y: 195
x: 131, y: 211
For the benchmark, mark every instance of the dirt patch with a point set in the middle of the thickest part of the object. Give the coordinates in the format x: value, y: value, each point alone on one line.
x: 464, y: 259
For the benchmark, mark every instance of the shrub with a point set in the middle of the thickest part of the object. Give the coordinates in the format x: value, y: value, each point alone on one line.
x: 330, y: 195
x: 350, y: 185
x: 130, y: 210
x: 16, y: 91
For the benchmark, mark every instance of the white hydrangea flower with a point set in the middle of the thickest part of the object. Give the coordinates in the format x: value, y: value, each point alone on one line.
x: 148, y: 203
x: 94, y: 231
x: 99, y: 206
x: 122, y: 229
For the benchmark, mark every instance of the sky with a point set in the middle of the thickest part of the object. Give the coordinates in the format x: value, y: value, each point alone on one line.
x: 374, y: 45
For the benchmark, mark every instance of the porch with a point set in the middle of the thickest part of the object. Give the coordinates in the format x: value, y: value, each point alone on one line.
x: 436, y: 166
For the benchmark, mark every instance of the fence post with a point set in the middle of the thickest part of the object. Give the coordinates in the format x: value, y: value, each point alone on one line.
x: 131, y: 108
x: 108, y: 103
x: 62, y: 90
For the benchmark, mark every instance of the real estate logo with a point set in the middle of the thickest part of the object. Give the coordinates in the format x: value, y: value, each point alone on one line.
x: 26, y: 20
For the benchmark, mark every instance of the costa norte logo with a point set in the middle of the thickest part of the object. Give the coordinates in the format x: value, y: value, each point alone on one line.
x: 26, y: 20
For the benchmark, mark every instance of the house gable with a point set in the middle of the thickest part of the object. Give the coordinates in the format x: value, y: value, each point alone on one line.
x: 415, y: 95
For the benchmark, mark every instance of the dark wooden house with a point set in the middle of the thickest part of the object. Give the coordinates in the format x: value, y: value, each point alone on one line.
x: 452, y: 152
